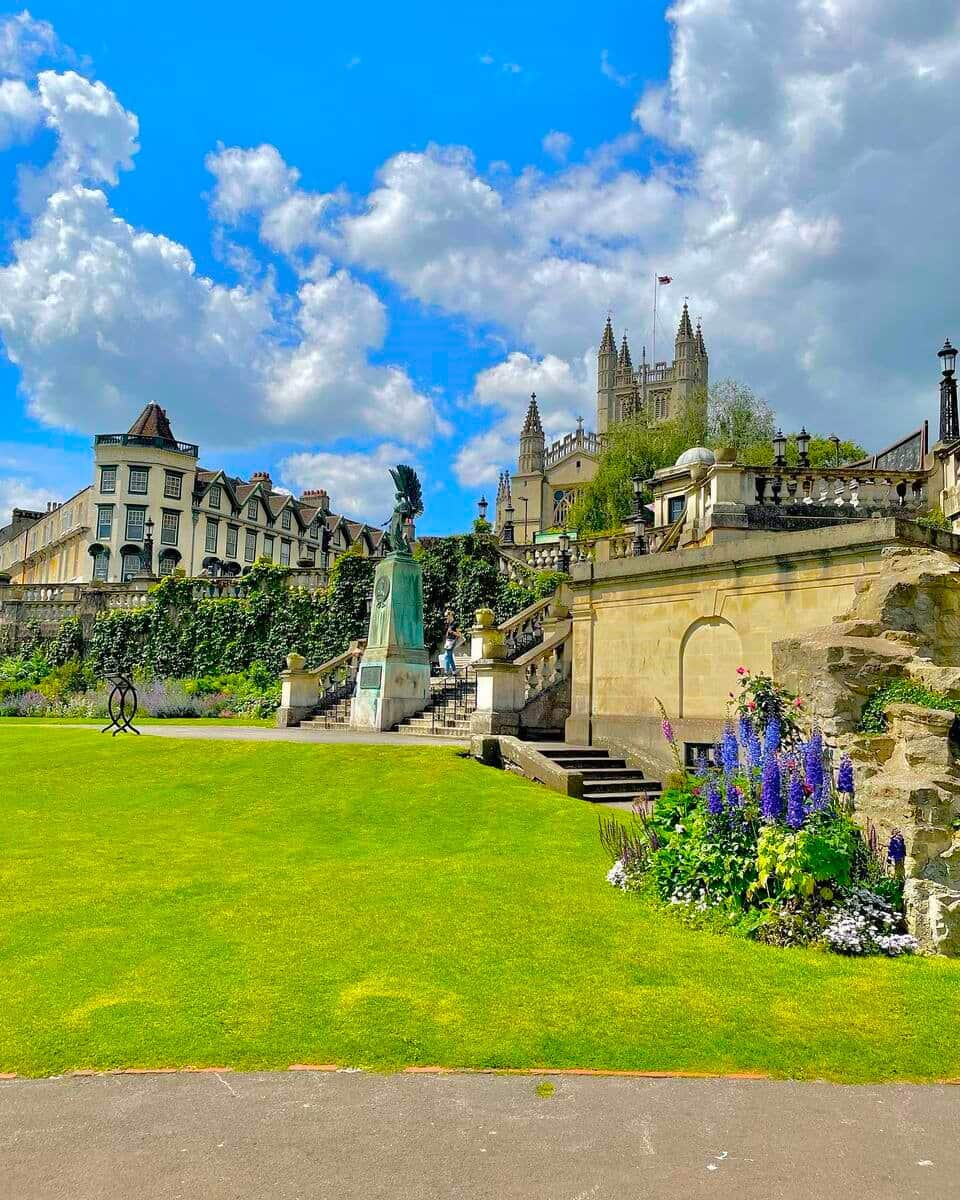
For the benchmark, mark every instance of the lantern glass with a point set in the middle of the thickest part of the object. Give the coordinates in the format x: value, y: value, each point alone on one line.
x: 483, y: 508
x: 779, y: 447
x: 948, y: 356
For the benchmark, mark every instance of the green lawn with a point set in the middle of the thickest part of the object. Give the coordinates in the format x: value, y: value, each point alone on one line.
x: 261, y: 904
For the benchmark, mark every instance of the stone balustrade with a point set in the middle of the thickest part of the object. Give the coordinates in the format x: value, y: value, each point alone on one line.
x: 303, y: 691
x: 525, y: 630
x: 841, y: 487
x: 545, y: 665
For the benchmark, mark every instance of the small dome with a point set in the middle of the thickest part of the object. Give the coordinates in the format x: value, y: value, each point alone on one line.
x: 697, y: 454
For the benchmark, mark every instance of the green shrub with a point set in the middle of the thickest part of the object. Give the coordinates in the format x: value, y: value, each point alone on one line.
x: 873, y: 719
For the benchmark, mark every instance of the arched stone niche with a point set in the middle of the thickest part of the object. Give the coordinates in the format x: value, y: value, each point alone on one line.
x: 710, y: 652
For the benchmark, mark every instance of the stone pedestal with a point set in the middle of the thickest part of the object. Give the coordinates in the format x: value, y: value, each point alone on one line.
x: 394, y: 677
x: 298, y: 692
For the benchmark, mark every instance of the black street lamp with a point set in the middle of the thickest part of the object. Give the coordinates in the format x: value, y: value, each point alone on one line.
x: 949, y: 423
x: 779, y: 449
x: 506, y: 533
x: 482, y: 508
x: 146, y: 558
x: 639, y: 541
x: 563, y: 562
x: 836, y: 447
x: 803, y: 447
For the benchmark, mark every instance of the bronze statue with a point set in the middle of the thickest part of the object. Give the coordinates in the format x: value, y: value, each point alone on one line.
x: 409, y: 506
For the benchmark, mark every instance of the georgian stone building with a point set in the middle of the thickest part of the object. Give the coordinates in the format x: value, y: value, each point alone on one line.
x: 145, y: 482
x: 538, y: 495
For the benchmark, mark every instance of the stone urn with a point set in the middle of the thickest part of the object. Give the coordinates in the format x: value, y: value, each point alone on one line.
x: 726, y: 454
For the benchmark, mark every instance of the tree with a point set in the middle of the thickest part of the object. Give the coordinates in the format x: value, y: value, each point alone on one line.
x: 736, y: 416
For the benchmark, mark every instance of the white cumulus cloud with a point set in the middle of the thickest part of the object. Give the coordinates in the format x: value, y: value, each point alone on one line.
x: 359, y: 483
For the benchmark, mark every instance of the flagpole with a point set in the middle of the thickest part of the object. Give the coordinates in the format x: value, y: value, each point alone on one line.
x: 656, y: 281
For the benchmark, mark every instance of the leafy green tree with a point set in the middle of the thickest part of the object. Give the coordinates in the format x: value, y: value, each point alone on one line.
x: 736, y: 416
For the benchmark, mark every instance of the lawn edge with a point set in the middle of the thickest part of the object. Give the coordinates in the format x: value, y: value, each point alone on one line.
x: 576, y: 1072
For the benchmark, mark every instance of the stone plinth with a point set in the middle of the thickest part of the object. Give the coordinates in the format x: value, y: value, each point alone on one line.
x: 500, y: 688
x: 298, y: 692
x: 394, y: 677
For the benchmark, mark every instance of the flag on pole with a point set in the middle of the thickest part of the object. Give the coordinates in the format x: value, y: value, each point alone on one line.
x: 664, y: 279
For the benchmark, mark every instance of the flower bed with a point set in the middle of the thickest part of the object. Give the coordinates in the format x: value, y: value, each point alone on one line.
x: 761, y: 839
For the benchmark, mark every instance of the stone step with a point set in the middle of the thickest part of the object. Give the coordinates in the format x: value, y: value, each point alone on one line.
x: 615, y: 797
x: 561, y: 753
x: 626, y: 784
x: 592, y: 764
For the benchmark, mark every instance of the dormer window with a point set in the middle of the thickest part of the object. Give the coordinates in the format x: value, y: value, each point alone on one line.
x: 213, y: 495
x: 252, y: 510
x: 285, y: 519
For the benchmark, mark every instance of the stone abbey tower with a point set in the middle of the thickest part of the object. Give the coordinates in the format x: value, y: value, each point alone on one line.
x: 662, y: 389
x: 537, y: 496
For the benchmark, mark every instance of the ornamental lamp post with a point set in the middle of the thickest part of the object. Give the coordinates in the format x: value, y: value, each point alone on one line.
x: 563, y: 562
x: 836, y: 447
x: 146, y: 558
x: 779, y: 449
x: 803, y: 447
x: 482, y: 508
x: 506, y: 533
x: 639, y: 541
x: 949, y: 422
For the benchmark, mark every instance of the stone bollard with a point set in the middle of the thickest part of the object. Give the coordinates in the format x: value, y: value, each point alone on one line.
x: 300, y: 692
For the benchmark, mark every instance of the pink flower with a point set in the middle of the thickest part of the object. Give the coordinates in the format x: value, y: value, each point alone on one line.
x: 798, y: 703
x: 742, y: 671
x: 751, y: 704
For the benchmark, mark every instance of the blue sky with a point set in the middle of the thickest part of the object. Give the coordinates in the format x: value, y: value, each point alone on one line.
x: 324, y: 244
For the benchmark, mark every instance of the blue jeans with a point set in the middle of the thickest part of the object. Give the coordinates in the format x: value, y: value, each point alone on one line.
x: 449, y: 665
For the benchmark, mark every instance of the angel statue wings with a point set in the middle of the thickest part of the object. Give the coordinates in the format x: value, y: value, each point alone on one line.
x: 409, y: 506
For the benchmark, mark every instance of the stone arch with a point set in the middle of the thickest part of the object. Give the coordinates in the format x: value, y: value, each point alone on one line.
x: 710, y: 652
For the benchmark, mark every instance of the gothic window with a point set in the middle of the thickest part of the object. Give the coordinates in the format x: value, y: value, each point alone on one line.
x: 561, y: 506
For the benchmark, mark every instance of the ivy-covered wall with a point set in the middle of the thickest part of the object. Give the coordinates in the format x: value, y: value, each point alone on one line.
x: 177, y: 635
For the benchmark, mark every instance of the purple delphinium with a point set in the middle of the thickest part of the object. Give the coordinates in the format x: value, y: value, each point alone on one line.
x: 714, y: 799
x: 771, y: 736
x: 667, y: 730
x: 845, y: 776
x: 795, y: 802
x: 897, y: 850
x: 734, y: 795
x: 754, y: 749
x: 702, y: 768
x: 745, y: 729
x: 729, y: 751
x: 770, y: 799
x: 813, y: 763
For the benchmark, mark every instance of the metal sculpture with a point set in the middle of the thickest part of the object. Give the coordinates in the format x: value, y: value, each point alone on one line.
x: 409, y: 506
x: 122, y: 704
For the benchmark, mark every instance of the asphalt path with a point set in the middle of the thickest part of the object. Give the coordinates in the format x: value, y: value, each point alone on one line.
x: 345, y: 1135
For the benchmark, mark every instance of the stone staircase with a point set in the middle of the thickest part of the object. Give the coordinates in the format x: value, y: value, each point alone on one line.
x: 452, y: 701
x: 331, y: 716
x: 606, y: 780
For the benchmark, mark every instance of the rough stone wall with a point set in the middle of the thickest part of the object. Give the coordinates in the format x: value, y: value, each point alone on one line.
x: 904, y: 623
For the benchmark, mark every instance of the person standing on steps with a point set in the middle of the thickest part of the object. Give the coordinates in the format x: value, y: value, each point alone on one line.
x: 451, y: 637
